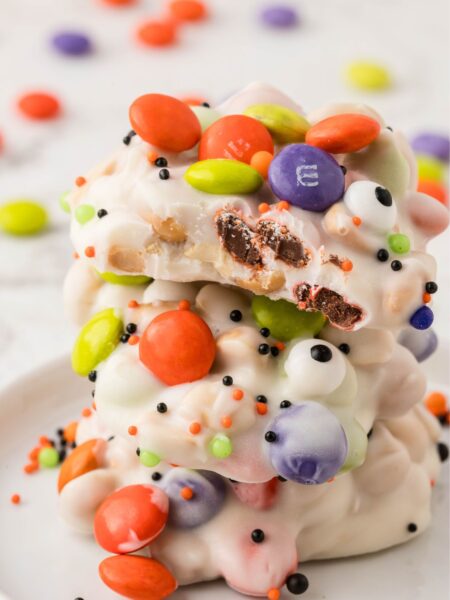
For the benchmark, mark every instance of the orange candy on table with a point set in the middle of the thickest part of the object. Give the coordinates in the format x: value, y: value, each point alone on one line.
x: 436, y: 403
x: 187, y: 10
x: 434, y: 189
x: 235, y: 137
x: 118, y: 2
x: 165, y: 122
x: 156, y: 33
x: 137, y: 577
x: 130, y: 518
x: 84, y: 458
x: 343, y: 133
x: 178, y: 347
x: 38, y: 105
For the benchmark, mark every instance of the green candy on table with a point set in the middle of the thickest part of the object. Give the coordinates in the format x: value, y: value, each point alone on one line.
x: 285, y: 125
x: 430, y: 168
x: 96, y: 340
x: 48, y: 457
x: 149, y: 459
x: 125, y: 279
x: 220, y: 446
x: 399, y: 243
x: 223, y: 176
x: 23, y: 217
x: 368, y: 76
x: 84, y: 213
x: 284, y: 320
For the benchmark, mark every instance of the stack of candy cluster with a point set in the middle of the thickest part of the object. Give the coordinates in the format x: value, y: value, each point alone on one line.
x: 254, y: 297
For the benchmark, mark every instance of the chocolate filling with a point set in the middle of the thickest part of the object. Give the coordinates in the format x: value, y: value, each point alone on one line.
x: 331, y: 304
x: 238, y: 238
x: 287, y: 247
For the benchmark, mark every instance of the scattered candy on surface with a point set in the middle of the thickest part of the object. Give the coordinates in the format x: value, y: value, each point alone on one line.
x: 165, y: 122
x: 435, y: 189
x: 188, y: 10
x: 130, y: 518
x: 432, y: 144
x: 279, y: 16
x: 22, y: 217
x: 39, y: 106
x: 285, y: 125
x: 156, y: 33
x: 368, y: 76
x: 343, y: 133
x: 430, y: 169
x: 307, y: 177
x: 223, y: 176
x: 177, y: 347
x: 16, y: 499
x: 72, y: 43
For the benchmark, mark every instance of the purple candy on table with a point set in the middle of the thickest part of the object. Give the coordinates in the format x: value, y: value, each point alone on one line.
x: 209, y: 492
x: 432, y: 144
x: 307, y: 177
x: 306, y: 443
x: 72, y: 43
x: 421, y: 344
x: 422, y: 318
x: 279, y: 16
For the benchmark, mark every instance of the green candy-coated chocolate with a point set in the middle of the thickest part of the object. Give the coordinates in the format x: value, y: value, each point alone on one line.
x: 84, y: 213
x: 399, y: 243
x: 285, y: 125
x: 96, y: 340
x: 125, y: 279
x: 48, y: 457
x: 285, y: 320
x: 22, y: 217
x: 368, y: 76
x: 149, y: 459
x: 220, y: 446
x: 63, y: 202
x: 223, y: 176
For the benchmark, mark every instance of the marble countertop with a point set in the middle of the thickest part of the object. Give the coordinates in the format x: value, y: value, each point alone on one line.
x: 211, y: 59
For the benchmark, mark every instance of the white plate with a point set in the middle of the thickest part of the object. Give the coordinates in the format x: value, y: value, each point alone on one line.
x: 41, y: 559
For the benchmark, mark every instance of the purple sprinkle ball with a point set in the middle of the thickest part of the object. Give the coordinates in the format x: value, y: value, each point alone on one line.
x: 72, y: 43
x: 279, y: 16
x: 432, y: 144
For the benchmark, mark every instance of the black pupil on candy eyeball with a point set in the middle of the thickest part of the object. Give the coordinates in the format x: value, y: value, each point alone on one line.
x: 258, y: 536
x: 345, y: 348
x: 382, y: 255
x: 236, y: 316
x: 383, y: 196
x: 431, y: 287
x: 321, y: 353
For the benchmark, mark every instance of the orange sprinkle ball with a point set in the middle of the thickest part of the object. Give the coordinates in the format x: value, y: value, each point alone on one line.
x: 260, y: 161
x: 226, y: 422
x: 193, y: 100
x: 195, y: 428
x: 89, y: 251
x: 187, y: 493
x: 156, y: 33
x: 261, y: 408
x: 44, y: 441
x: 283, y: 205
x: 70, y: 432
x: 273, y: 594
x: 94, y: 406
x: 15, y: 499
x: 75, y: 255
x: 432, y: 482
x: 434, y: 189
x: 33, y: 455
x: 38, y: 106
x: 187, y: 10
x: 133, y: 304
x: 132, y: 430
x: 331, y: 479
x: 357, y: 221
x: 133, y: 340
x: 426, y: 297
x: 80, y: 181
x: 238, y: 394
x: 281, y: 346
x: 86, y: 412
x: 263, y: 208
x: 346, y: 266
x: 152, y: 156
x: 436, y: 403
x: 31, y: 467
x: 184, y: 305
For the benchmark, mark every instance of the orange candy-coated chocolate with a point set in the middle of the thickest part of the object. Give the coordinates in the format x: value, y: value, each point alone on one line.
x: 187, y: 10
x: 343, y: 133
x: 130, y: 518
x: 39, y: 105
x: 84, y: 458
x: 434, y: 189
x: 156, y: 33
x: 236, y: 137
x: 165, y: 122
x: 178, y: 347
x: 436, y: 403
x: 137, y: 577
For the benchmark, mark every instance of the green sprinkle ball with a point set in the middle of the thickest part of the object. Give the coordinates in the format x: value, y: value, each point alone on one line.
x: 221, y: 446
x: 84, y: 213
x: 149, y: 459
x: 48, y: 457
x: 399, y: 243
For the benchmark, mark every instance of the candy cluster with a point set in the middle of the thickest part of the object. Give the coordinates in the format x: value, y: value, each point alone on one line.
x: 254, y: 294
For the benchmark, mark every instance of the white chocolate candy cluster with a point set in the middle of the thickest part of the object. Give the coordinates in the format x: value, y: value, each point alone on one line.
x: 257, y: 388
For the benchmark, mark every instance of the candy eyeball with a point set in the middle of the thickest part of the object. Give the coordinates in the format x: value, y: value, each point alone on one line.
x: 372, y: 203
x: 315, y: 367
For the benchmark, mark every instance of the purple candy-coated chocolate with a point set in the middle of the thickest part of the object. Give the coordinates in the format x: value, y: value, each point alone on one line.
x: 422, y: 344
x: 310, y: 445
x: 279, y: 16
x: 307, y: 177
x: 72, y: 43
x: 432, y: 144
x: 422, y: 318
